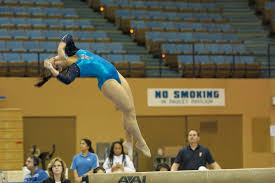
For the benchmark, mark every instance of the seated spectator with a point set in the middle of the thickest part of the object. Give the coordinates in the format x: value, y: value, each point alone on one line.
x: 163, y: 167
x: 118, y: 161
x: 36, y: 174
x: 99, y: 170
x: 56, y: 171
x: 84, y: 163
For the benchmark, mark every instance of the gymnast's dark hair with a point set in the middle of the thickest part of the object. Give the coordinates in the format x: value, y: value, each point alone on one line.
x: 89, y: 144
x: 70, y: 48
x: 111, y: 154
x: 46, y: 76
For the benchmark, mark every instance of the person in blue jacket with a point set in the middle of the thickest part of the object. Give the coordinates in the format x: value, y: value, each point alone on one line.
x: 36, y: 174
x: 82, y: 63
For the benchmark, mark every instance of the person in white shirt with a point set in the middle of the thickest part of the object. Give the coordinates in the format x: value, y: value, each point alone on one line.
x: 118, y: 161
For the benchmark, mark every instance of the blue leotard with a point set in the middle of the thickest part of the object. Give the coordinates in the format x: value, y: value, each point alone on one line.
x: 90, y: 64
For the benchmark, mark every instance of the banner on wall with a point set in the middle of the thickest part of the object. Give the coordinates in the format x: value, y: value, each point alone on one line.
x: 164, y: 97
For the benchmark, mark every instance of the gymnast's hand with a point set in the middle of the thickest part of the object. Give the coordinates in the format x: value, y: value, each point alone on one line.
x: 48, y: 64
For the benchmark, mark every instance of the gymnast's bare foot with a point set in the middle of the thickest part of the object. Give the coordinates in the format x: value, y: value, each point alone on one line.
x: 129, y: 147
x: 144, y: 148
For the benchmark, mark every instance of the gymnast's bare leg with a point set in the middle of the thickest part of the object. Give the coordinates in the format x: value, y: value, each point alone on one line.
x: 121, y: 96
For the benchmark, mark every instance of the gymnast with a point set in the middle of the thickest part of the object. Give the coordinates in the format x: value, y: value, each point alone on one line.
x: 82, y: 63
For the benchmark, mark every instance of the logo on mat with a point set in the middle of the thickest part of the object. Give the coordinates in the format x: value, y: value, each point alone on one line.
x: 132, y: 179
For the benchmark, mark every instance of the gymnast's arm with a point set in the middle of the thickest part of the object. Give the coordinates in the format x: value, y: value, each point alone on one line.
x: 60, y: 50
x: 70, y: 76
x: 62, y: 45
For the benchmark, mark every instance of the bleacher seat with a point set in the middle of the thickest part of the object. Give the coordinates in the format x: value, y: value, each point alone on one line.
x: 137, y: 67
x: 20, y: 11
x: 169, y: 49
x: 83, y: 45
x: 69, y: 24
x: 208, y: 67
x: 100, y: 37
x: 85, y: 24
x: 238, y: 68
x: 116, y: 48
x: 37, y: 23
x: 3, y: 64
x: 269, y: 9
x: 35, y: 35
x: 15, y: 46
x: 32, y: 46
x: 37, y: 12
x: 226, y: 49
x: 240, y: 49
x: 31, y: 61
x: 11, y: 2
x: 54, y: 24
x: 52, y: 35
x: 18, y: 34
x: 5, y: 23
x: 191, y: 67
x: 100, y: 48
x: 83, y: 35
x: 252, y: 67
x: 54, y: 12
x: 27, y: 2
x: 5, y: 11
x: 213, y: 49
x: 3, y: 46
x: 57, y: 3
x: 201, y: 49
x: 42, y: 3
x: 17, y: 67
x: 69, y: 13
x: 43, y: 56
x: 49, y: 46
x: 181, y: 60
x: 21, y: 23
x: 224, y: 66
x: 4, y: 34
x: 121, y: 65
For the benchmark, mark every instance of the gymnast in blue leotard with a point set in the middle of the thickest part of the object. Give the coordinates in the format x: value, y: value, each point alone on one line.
x: 82, y: 63
x: 94, y: 65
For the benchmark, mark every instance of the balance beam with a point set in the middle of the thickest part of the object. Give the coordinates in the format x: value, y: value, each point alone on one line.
x: 257, y: 175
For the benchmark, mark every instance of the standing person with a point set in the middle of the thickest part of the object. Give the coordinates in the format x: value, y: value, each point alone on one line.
x: 118, y: 161
x: 82, y: 63
x: 36, y: 174
x: 84, y: 163
x: 56, y: 171
x: 194, y: 156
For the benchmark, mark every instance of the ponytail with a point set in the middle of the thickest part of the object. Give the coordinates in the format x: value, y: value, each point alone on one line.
x: 43, y: 80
